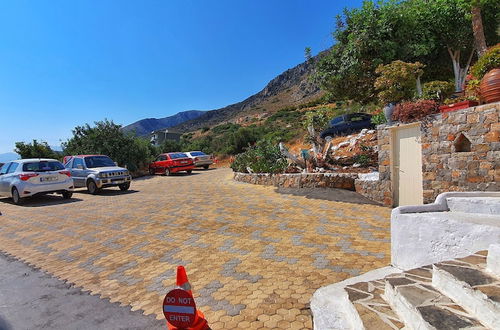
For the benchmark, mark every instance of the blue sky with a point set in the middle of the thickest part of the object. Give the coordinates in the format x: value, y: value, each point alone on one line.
x: 66, y: 63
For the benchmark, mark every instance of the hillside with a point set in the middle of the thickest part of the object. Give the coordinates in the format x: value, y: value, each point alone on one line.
x: 145, y: 126
x: 8, y: 156
x: 290, y: 88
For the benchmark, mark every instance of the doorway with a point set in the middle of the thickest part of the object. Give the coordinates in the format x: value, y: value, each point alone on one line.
x: 407, y: 165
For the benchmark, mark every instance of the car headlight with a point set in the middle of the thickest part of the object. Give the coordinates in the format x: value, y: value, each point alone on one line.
x: 103, y: 175
x: 126, y: 173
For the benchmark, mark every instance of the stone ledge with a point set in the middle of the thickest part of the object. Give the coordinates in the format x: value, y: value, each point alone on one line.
x: 300, y: 180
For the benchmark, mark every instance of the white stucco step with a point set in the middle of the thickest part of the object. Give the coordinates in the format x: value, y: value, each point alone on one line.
x: 440, y: 236
x: 420, y: 306
x: 483, y: 205
x: 466, y: 282
x: 493, y: 260
x: 335, y: 308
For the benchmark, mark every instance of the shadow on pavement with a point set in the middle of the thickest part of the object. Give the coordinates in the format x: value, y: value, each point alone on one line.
x: 32, y: 299
x: 329, y: 194
x: 109, y: 192
x: 44, y: 200
x: 4, y: 325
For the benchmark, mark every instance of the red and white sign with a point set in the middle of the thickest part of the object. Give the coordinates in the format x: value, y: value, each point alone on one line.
x: 179, y: 308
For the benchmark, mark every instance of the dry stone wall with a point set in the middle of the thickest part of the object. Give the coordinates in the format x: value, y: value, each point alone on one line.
x: 300, y: 180
x: 460, y: 152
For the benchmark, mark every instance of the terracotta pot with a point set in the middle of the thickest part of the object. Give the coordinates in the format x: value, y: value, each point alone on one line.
x: 490, y: 86
x: 457, y: 106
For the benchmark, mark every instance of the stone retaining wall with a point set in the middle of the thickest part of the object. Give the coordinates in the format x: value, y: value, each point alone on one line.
x: 460, y: 152
x: 378, y: 191
x: 300, y: 180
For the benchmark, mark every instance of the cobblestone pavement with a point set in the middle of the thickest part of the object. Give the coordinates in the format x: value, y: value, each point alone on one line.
x: 254, y: 257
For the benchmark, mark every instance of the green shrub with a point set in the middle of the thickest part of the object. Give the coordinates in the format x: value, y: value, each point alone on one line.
x: 396, y: 81
x: 287, y: 115
x: 490, y: 60
x: 265, y: 157
x: 229, y: 127
x: 378, y: 119
x: 170, y: 146
x: 205, y: 129
x: 319, y: 118
x: 437, y: 90
x: 36, y: 149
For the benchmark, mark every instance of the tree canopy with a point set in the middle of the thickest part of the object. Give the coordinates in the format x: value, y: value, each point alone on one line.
x: 107, y: 138
x: 35, y: 149
x: 430, y: 32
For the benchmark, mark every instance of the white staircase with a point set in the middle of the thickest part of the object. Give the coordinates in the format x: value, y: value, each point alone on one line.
x: 456, y: 289
x: 455, y: 294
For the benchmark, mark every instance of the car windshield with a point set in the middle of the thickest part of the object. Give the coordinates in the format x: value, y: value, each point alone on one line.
x: 42, y: 166
x: 99, y: 161
x: 197, y: 153
x: 337, y: 120
x: 178, y: 155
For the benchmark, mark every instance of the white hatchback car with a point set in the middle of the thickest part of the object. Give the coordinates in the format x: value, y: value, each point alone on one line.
x: 31, y: 177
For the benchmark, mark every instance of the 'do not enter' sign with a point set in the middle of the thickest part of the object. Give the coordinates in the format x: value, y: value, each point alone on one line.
x: 179, y: 308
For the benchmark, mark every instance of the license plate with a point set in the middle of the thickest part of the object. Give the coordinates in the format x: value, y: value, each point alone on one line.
x: 48, y: 178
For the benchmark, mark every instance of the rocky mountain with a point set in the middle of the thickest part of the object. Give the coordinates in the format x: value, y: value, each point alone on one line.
x: 291, y: 87
x: 146, y: 126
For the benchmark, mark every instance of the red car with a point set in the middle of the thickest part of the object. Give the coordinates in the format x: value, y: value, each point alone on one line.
x: 171, y: 162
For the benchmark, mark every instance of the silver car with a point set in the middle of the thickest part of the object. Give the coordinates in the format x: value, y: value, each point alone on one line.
x: 96, y: 172
x: 200, y: 159
x: 30, y: 177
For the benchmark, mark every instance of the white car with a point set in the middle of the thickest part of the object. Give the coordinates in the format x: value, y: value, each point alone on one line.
x: 31, y: 177
x: 200, y: 159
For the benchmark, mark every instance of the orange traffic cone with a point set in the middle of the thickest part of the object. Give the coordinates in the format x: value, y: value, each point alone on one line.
x: 182, y: 279
x: 199, y: 322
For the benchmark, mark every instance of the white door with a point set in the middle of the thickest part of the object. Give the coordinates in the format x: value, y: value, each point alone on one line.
x: 407, y: 165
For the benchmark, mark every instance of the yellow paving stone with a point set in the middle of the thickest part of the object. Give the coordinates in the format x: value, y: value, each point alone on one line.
x: 252, y: 255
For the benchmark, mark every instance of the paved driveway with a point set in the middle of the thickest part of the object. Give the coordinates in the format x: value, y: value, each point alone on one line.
x: 254, y: 256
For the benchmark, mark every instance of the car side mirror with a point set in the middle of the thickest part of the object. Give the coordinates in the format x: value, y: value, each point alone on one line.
x: 116, y: 164
x: 79, y: 166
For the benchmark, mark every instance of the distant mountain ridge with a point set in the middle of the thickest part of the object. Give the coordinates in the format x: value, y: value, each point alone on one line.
x: 146, y: 126
x: 8, y: 156
x: 290, y: 88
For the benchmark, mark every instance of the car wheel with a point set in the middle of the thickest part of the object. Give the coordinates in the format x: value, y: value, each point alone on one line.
x: 189, y: 171
x: 16, y: 198
x: 92, y: 187
x: 151, y: 171
x: 124, y: 187
x: 67, y: 194
x: 167, y: 171
x: 206, y: 167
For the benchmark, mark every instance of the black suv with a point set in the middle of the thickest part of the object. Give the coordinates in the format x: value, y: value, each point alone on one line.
x: 346, y: 124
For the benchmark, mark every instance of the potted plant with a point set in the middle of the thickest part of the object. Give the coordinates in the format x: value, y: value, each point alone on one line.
x: 458, y: 103
x: 487, y: 70
x: 438, y: 90
x: 397, y: 82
